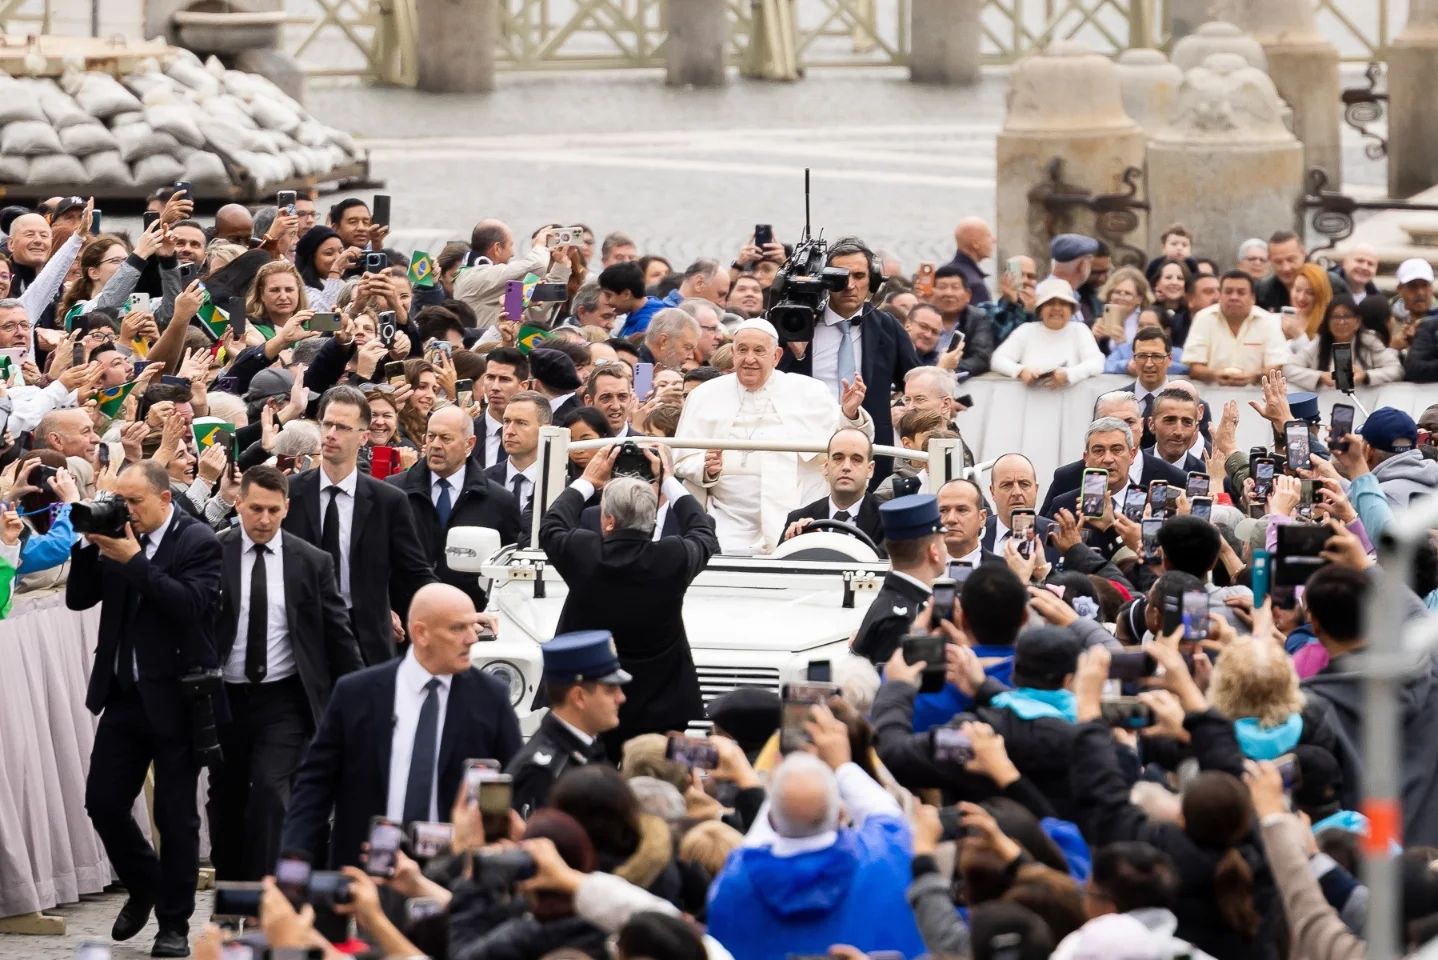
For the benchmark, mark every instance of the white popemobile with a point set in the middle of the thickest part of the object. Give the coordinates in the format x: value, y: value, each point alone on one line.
x: 751, y: 621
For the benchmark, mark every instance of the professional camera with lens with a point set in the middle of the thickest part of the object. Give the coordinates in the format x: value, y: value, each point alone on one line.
x: 198, y: 686
x: 106, y: 515
x: 631, y: 462
x: 801, y: 291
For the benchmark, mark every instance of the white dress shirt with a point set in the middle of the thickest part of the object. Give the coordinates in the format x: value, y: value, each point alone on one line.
x: 149, y: 551
x: 971, y: 559
x: 345, y: 501
x: 409, y: 694
x: 827, y: 337
x: 493, y: 440
x: 556, y: 402
x: 852, y: 510
x: 526, y: 489
x: 279, y: 654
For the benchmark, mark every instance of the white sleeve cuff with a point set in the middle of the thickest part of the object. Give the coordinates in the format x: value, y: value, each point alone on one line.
x: 583, y: 486
x: 673, y: 489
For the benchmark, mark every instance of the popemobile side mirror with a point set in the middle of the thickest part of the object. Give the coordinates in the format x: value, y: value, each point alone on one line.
x: 468, y: 549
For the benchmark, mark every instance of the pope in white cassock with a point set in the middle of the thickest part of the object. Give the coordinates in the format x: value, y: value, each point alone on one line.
x: 751, y: 492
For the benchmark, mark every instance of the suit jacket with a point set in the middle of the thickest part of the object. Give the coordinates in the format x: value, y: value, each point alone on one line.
x: 1080, y: 557
x: 1191, y: 464
x: 479, y: 502
x: 634, y: 587
x: 1069, y: 476
x: 387, y: 563
x: 1205, y: 422
x: 1042, y: 526
x: 496, y: 473
x: 346, y: 769
x: 887, y: 354
x: 319, y: 625
x: 571, y: 402
x: 481, y: 435
x: 165, y: 605
x: 867, y: 520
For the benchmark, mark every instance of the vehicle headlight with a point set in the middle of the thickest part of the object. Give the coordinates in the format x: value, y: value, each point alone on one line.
x: 509, y: 675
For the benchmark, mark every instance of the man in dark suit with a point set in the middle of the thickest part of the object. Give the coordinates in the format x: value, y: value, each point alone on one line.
x: 1109, y: 446
x: 852, y: 336
x: 518, y: 472
x: 448, y: 489
x: 610, y: 391
x: 505, y: 370
x: 158, y: 584
x: 1174, y: 424
x: 1152, y: 356
x: 1143, y: 469
x: 554, y: 376
x: 848, y: 465
x: 364, y: 524
x: 914, y: 540
x: 624, y: 581
x: 284, y: 640
x: 963, y: 512
x: 394, y: 738
x: 585, y: 686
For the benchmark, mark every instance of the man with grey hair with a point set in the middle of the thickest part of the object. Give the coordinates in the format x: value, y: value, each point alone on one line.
x: 591, y: 309
x: 1143, y: 469
x: 848, y: 874
x: 671, y: 339
x: 623, y: 580
x: 27, y: 404
x: 711, y: 326
x: 1253, y: 258
x: 1110, y: 446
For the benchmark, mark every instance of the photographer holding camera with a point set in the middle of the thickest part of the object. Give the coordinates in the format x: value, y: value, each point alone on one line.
x: 156, y: 570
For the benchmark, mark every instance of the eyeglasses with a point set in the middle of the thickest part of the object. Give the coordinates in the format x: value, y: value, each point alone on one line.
x: 1150, y: 357
x: 1256, y: 258
x: 376, y: 388
x: 13, y: 327
x: 113, y: 260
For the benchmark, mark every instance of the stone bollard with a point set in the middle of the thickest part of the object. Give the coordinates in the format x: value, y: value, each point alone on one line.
x: 457, y: 40
x: 698, y: 40
x: 945, y: 41
x: 1226, y: 167
x: 1150, y: 87
x: 1063, y: 104
x: 1412, y: 78
x: 1304, y: 68
x: 1217, y: 36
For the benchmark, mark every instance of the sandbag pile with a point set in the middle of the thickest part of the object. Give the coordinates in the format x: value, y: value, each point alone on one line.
x: 160, y: 124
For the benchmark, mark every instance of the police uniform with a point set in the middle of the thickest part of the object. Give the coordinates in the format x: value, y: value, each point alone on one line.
x: 900, y: 598
x: 588, y: 655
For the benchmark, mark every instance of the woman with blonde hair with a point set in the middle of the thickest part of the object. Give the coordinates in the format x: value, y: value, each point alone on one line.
x: 1254, y: 685
x: 1127, y: 289
x: 276, y: 297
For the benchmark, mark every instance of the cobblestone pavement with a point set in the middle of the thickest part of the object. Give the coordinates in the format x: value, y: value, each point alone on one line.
x: 90, y: 920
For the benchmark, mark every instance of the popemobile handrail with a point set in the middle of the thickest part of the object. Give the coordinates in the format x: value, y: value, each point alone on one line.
x: 555, y: 446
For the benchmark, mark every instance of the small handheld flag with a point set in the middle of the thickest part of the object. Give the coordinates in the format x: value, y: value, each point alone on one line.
x: 528, y: 337
x: 421, y: 269
x: 212, y: 432
x: 111, y: 400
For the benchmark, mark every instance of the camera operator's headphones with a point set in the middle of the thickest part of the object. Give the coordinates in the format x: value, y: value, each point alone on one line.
x: 849, y: 245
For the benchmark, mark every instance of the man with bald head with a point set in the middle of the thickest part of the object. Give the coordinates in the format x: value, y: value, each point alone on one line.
x: 448, y: 489
x: 1355, y: 274
x: 493, y: 262
x: 30, y: 243
x: 975, y: 242
x: 235, y: 223
x: 414, y: 721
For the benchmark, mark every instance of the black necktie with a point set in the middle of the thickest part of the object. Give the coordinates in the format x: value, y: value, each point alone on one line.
x: 421, y: 758
x: 125, y: 666
x: 444, y: 506
x: 1148, y: 407
x: 258, y: 631
x: 517, y: 485
x: 330, y: 536
x: 842, y: 516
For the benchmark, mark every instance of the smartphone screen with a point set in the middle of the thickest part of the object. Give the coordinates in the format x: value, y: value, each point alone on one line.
x: 1022, y: 529
x: 643, y: 381
x: 1197, y: 485
x: 820, y: 671
x: 1131, y: 665
x: 1158, y: 497
x: 394, y: 372
x: 1202, y: 508
x: 1290, y: 771
x: 946, y: 591
x: 1343, y: 367
x: 496, y: 795
x: 1305, y: 500
x: 1095, y: 489
x: 952, y: 745
x: 1149, y: 531
x: 464, y: 393
x: 292, y: 877
x: 1263, y: 480
x: 798, y: 699
x: 929, y: 649
x: 430, y: 839
x: 1342, y: 422
x: 1133, y: 503
x: 763, y: 235
x: 1195, y: 615
x: 384, y: 839
x: 1130, y: 713
x: 1296, y: 434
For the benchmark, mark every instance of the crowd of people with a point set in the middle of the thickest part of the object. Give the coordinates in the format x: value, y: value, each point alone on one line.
x: 1111, y: 713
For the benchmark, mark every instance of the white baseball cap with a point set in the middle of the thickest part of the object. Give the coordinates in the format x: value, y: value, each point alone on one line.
x: 1415, y: 269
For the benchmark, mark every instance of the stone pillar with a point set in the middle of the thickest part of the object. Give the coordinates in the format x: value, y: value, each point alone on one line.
x: 1150, y: 87
x: 698, y: 41
x: 944, y: 45
x: 1412, y: 78
x: 1227, y: 140
x: 1064, y: 104
x: 1304, y: 68
x: 1217, y: 36
x: 456, y: 44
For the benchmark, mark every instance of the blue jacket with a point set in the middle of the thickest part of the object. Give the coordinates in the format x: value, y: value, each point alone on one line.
x: 936, y: 709
x: 42, y: 551
x: 766, y: 907
x: 638, y: 321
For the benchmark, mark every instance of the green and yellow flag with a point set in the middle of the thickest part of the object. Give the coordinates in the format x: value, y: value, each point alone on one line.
x: 212, y: 318
x: 112, y: 399
x: 421, y: 269
x: 74, y: 313
x: 528, y: 337
x: 212, y: 432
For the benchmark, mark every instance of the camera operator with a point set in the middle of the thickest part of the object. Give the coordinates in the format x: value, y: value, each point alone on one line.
x: 156, y: 570
x: 855, y: 337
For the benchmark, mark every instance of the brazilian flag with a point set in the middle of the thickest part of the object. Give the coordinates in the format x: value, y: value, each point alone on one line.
x: 212, y: 432
x: 528, y: 337
x: 421, y: 269
x: 112, y: 399
x: 212, y: 318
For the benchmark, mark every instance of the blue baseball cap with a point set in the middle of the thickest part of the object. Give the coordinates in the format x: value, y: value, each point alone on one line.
x: 1067, y: 247
x: 1390, y: 430
x: 910, y: 518
x: 583, y: 656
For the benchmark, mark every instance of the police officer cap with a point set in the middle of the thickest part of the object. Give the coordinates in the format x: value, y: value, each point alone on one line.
x: 1067, y: 247
x: 749, y: 714
x: 910, y: 518
x: 1304, y: 405
x: 581, y: 656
